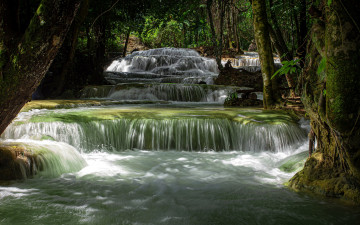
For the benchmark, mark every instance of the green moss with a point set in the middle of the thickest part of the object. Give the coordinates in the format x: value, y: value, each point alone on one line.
x: 293, y: 163
x: 321, y: 177
x: 256, y: 116
x: 64, y: 104
x: 40, y: 9
x: 12, y: 159
x: 47, y: 137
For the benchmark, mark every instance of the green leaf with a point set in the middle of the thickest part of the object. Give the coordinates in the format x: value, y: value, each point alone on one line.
x: 329, y: 2
x: 322, y: 66
x: 286, y: 70
x: 276, y: 73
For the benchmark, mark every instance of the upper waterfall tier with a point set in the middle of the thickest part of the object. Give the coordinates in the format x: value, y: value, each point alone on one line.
x: 161, y: 92
x: 182, y: 65
x: 249, y: 61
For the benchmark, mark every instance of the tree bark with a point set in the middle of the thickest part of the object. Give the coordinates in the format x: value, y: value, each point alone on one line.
x: 31, y: 58
x: 126, y: 42
x: 213, y: 34
x: 271, y: 95
x: 281, y: 48
x: 332, y: 100
x: 301, y: 51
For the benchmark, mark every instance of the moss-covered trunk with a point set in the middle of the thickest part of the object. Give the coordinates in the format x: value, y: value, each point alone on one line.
x: 332, y: 99
x: 271, y: 93
x: 32, y: 55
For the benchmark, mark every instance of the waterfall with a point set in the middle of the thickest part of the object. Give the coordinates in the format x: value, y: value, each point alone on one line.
x: 48, y: 158
x: 249, y: 61
x: 185, y: 134
x: 171, y: 92
x: 96, y: 91
x: 163, y: 63
x: 160, y: 92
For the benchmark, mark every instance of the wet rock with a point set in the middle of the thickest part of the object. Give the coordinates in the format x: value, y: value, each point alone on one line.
x: 240, y: 78
x: 320, y: 177
x: 16, y: 163
x: 243, y: 102
x: 252, y: 46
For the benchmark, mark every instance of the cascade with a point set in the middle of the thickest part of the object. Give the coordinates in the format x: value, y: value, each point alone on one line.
x: 175, y: 130
x: 176, y: 163
x: 50, y: 158
x: 171, y: 92
x: 160, y: 92
x: 162, y: 65
x: 249, y: 61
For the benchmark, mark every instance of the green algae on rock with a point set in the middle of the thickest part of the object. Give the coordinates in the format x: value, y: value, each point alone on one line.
x: 161, y: 128
x: 294, y: 162
x: 247, y: 115
x: 25, y: 159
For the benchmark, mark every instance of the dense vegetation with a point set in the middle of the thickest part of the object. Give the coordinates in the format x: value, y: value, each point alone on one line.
x: 322, y: 35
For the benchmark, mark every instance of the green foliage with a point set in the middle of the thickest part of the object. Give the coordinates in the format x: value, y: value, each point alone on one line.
x: 322, y: 66
x: 232, y: 96
x: 329, y: 2
x: 289, y: 67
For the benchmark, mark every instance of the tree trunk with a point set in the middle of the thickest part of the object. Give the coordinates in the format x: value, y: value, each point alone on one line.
x: 270, y: 92
x: 30, y: 60
x: 301, y: 51
x: 213, y: 34
x: 126, y: 42
x: 332, y: 101
x: 281, y: 48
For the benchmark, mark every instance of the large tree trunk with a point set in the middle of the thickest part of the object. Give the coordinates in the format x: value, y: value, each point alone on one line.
x: 270, y: 92
x: 214, y: 38
x: 33, y: 54
x: 301, y: 51
x: 332, y: 100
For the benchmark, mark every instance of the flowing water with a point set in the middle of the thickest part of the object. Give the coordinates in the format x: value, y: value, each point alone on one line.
x: 192, y: 162
x: 163, y: 65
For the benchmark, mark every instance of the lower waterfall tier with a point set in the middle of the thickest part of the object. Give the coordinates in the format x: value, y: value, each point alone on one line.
x: 117, y: 129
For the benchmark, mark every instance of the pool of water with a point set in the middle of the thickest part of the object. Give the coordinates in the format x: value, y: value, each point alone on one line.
x: 166, y: 186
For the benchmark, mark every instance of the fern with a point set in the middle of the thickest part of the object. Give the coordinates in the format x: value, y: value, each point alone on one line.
x: 289, y: 67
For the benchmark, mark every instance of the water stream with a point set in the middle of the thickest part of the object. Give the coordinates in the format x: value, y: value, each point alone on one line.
x: 184, y: 162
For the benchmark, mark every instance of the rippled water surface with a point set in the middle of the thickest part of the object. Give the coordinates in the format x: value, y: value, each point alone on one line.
x: 154, y: 187
x: 109, y: 184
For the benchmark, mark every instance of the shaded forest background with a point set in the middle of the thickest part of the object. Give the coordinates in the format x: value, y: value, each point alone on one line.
x: 318, y: 42
x: 101, y: 29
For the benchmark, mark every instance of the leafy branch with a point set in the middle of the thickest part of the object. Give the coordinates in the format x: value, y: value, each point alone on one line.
x: 289, y: 67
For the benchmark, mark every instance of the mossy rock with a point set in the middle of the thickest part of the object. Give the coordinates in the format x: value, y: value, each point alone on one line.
x: 294, y: 162
x: 320, y: 177
x: 15, y: 162
x: 244, y: 116
x: 68, y: 104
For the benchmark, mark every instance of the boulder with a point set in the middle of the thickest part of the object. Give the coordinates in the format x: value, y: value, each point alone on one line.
x: 240, y: 78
